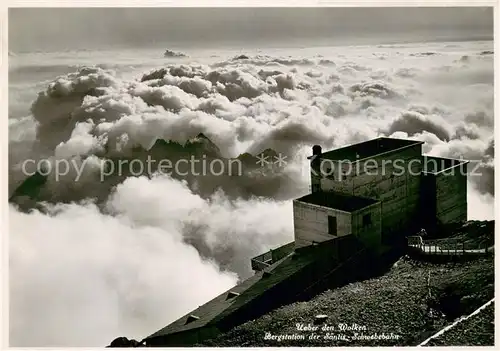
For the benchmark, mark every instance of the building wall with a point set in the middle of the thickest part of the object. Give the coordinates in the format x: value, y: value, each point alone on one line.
x: 428, y: 201
x: 369, y: 235
x: 311, y: 223
x: 451, y: 196
x: 393, y: 178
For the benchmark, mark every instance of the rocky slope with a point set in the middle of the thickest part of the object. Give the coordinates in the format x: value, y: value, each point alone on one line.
x: 404, y: 307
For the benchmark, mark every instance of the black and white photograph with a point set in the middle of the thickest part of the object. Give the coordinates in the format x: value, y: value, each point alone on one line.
x: 250, y: 176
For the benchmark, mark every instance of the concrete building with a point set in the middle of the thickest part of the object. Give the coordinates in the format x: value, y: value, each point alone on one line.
x: 321, y: 216
x: 413, y: 190
x: 444, y: 192
x: 363, y: 197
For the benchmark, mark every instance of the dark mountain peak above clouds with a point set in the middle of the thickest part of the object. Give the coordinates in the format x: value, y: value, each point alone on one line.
x: 170, y: 53
x: 268, y: 152
x: 203, y: 142
x: 490, y: 150
x: 154, y: 74
x: 201, y: 136
x: 259, y: 160
x: 425, y: 53
x: 241, y: 57
x: 246, y: 157
x: 199, y: 145
x: 29, y: 187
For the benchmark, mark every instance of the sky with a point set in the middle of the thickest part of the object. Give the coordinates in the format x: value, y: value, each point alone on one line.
x: 45, y: 29
x: 124, y: 273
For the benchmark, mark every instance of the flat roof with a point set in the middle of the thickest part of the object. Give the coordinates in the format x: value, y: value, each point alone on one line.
x: 335, y: 200
x: 370, y: 148
x: 435, y: 164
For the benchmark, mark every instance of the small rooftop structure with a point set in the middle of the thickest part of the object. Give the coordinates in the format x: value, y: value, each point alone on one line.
x: 191, y: 318
x: 343, y: 202
x: 232, y: 294
x: 370, y: 148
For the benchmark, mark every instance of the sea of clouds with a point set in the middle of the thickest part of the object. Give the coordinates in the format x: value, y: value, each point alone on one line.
x: 130, y: 255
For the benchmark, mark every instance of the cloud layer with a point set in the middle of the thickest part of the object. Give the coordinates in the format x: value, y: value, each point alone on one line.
x: 119, y: 259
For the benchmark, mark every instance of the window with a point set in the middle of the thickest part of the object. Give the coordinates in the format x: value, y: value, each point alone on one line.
x: 332, y: 225
x: 367, y: 219
x: 328, y: 172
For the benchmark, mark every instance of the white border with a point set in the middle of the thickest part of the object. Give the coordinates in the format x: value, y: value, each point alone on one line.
x: 249, y: 3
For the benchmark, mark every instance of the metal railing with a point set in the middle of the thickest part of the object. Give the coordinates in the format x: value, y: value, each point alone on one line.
x: 266, y: 259
x: 262, y: 261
